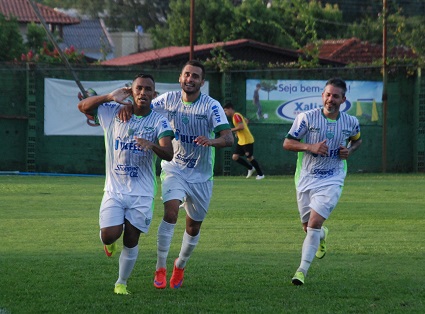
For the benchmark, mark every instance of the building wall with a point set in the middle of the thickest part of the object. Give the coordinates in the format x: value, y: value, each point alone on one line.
x: 126, y: 43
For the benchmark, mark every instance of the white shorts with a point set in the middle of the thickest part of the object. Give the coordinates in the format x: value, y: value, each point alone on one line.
x: 322, y: 200
x: 116, y: 207
x: 197, y: 196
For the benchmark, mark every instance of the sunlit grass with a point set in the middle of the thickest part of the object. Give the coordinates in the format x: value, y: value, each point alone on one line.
x: 51, y: 259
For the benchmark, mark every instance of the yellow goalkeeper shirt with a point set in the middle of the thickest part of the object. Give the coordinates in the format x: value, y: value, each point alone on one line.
x: 244, y: 136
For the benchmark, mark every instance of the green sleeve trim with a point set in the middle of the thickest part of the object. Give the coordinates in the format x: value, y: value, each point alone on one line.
x: 166, y: 133
x: 289, y: 136
x: 222, y: 127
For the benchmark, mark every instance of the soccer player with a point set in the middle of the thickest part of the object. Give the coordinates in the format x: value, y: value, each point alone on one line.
x: 131, y: 150
x: 324, y: 138
x: 200, y: 126
x: 245, y: 145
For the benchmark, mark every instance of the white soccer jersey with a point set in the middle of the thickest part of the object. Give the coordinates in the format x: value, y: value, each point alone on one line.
x: 129, y: 170
x: 312, y: 127
x: 203, y: 117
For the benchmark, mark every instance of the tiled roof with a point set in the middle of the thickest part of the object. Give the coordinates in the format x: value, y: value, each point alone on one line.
x: 89, y: 36
x: 241, y: 49
x: 24, y: 13
x: 354, y: 50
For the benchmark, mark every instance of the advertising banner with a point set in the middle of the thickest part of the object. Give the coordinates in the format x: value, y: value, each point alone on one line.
x: 279, y: 101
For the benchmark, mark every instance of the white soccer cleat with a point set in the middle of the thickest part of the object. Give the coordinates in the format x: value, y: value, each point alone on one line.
x: 250, y: 173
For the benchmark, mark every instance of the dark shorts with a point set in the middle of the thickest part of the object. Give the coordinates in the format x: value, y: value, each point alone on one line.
x: 245, y: 150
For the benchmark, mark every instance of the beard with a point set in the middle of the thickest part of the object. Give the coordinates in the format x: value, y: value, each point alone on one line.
x: 189, y: 90
x: 330, y: 108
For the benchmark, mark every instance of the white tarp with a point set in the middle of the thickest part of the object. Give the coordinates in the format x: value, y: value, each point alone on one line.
x: 61, y: 115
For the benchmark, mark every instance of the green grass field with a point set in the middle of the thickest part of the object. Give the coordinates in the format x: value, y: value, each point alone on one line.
x: 51, y: 258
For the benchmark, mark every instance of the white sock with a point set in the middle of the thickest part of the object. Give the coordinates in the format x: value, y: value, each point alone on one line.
x: 165, y: 235
x: 127, y: 261
x: 188, y: 245
x: 322, y: 234
x: 310, y: 246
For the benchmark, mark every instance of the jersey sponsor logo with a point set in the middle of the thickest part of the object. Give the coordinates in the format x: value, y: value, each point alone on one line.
x: 300, y: 128
x: 323, y: 173
x: 334, y: 153
x: 185, y: 138
x: 190, y: 162
x: 346, y: 132
x: 201, y: 117
x: 290, y: 109
x: 123, y: 145
x: 216, y: 113
x: 131, y: 171
x: 111, y: 104
x: 130, y: 146
x: 149, y: 129
x: 313, y: 130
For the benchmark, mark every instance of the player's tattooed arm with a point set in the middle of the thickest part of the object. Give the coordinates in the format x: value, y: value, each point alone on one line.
x: 228, y: 139
x: 225, y: 139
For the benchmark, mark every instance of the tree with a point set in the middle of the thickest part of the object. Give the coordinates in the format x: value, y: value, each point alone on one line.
x: 11, y: 38
x: 286, y: 23
x: 254, y: 20
x: 36, y: 36
x: 211, y: 19
x: 119, y: 15
x: 401, y: 31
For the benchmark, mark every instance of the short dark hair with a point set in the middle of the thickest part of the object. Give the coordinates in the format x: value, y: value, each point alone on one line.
x: 197, y: 64
x: 142, y: 75
x: 228, y: 105
x: 338, y: 82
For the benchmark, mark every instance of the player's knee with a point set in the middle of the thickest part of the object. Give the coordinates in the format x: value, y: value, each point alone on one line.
x: 235, y: 157
x: 111, y: 234
x: 193, y: 229
x: 171, y: 211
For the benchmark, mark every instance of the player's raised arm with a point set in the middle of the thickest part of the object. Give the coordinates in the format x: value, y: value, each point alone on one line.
x: 90, y: 104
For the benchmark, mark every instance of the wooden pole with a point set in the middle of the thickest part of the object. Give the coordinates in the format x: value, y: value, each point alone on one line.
x: 384, y: 88
x: 192, y: 26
